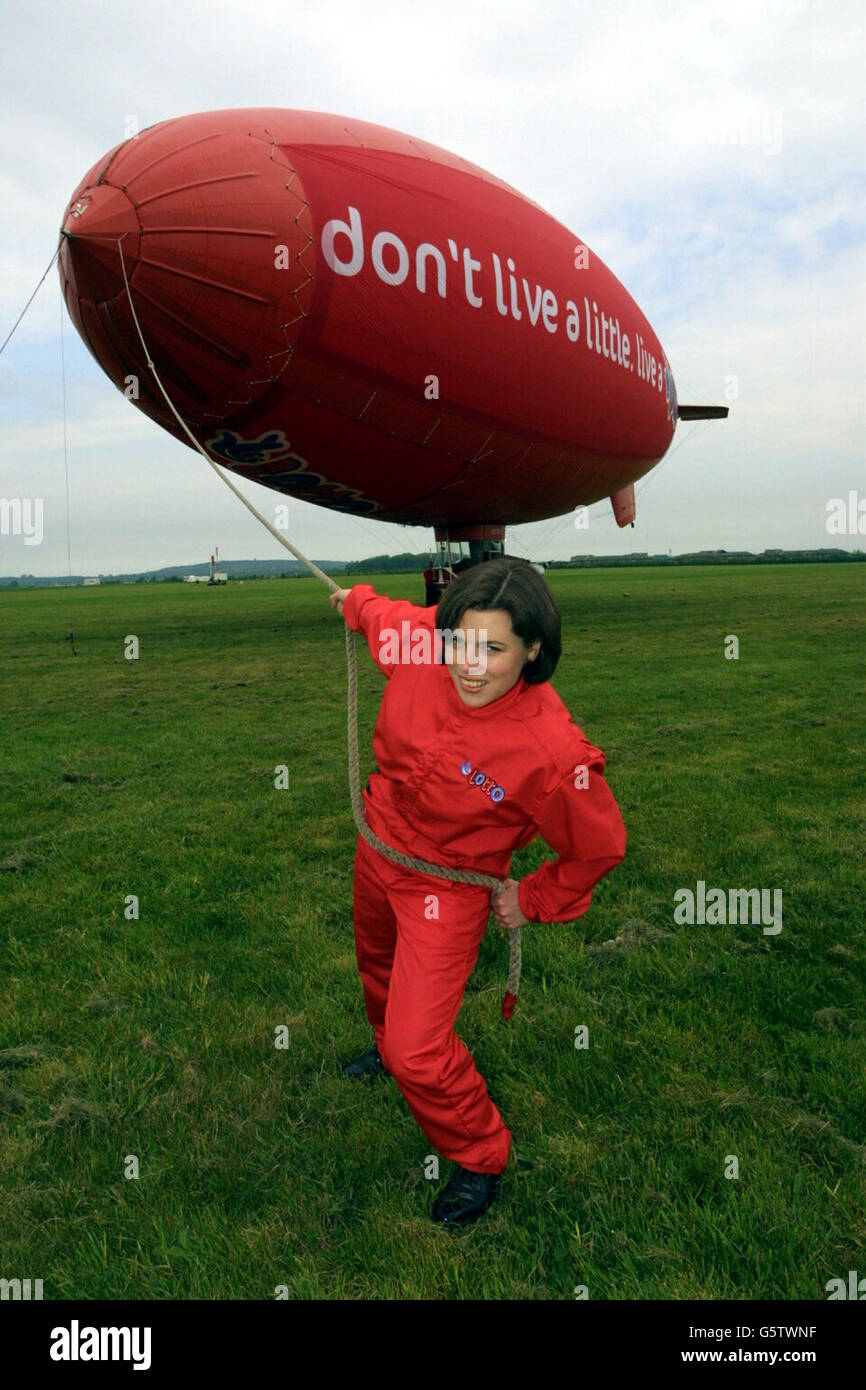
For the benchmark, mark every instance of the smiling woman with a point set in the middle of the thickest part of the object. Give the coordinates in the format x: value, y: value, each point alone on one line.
x: 501, y: 656
x: 506, y: 610
x: 474, y: 759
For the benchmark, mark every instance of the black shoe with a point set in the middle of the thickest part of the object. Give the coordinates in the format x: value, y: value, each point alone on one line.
x: 465, y: 1197
x: 369, y: 1064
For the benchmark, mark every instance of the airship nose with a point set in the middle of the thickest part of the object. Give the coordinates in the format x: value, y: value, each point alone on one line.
x: 213, y: 222
x: 95, y: 222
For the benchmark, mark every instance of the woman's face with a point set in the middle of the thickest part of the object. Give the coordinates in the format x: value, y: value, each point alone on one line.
x: 499, y: 657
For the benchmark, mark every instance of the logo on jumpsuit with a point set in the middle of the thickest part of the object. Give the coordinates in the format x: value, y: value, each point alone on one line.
x: 480, y: 779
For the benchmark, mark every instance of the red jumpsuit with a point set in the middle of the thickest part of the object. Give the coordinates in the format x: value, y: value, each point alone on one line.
x: 464, y: 787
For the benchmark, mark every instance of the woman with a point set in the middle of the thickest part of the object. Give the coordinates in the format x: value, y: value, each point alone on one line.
x: 473, y: 761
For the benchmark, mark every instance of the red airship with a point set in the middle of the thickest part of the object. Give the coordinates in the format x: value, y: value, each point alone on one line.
x: 359, y: 319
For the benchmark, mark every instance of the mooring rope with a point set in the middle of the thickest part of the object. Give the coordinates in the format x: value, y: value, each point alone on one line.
x: 408, y: 861
x: 31, y: 299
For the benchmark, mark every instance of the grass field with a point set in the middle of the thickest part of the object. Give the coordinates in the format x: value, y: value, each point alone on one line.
x: 262, y: 1167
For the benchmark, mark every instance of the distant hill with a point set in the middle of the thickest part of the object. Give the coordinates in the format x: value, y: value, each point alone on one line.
x: 409, y: 562
x: 236, y: 569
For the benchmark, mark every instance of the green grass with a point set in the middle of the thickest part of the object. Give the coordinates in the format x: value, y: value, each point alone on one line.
x: 262, y: 1167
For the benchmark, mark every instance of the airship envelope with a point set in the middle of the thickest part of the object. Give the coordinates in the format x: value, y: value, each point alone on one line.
x: 360, y: 319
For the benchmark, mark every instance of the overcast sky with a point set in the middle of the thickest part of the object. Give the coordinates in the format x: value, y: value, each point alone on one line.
x: 711, y: 154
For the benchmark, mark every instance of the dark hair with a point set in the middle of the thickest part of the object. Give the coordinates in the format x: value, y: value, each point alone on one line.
x: 518, y: 588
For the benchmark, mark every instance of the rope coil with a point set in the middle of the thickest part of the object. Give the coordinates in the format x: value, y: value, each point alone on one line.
x: 407, y: 861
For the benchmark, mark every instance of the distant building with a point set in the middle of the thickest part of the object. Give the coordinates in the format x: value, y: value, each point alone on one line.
x: 90, y: 581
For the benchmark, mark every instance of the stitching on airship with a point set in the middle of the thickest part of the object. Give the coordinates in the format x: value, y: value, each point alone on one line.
x: 273, y: 447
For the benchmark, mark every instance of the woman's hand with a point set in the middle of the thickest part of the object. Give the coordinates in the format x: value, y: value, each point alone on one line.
x: 506, y: 907
x: 337, y: 598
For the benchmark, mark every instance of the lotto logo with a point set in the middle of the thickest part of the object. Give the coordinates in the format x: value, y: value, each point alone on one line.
x: 480, y: 779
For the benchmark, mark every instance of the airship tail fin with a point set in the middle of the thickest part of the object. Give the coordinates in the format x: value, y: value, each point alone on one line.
x: 701, y: 412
